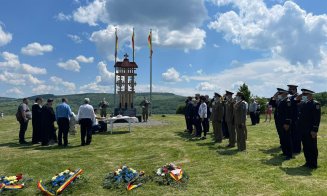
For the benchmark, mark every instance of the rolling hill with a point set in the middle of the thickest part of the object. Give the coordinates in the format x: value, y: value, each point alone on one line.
x: 162, y: 103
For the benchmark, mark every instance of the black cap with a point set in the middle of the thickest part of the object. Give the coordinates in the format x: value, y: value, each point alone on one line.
x: 292, y: 86
x: 217, y: 95
x: 280, y: 90
x: 50, y: 100
x: 239, y: 94
x: 307, y: 91
x: 229, y: 93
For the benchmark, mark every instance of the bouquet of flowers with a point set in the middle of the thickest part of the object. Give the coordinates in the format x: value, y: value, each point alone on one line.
x: 59, y: 182
x: 124, y: 177
x: 12, y: 182
x: 172, y: 175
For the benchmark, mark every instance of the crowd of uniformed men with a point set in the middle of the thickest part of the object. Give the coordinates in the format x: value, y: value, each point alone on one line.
x: 297, y: 119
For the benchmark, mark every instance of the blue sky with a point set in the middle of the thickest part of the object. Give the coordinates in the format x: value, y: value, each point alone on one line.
x: 200, y: 46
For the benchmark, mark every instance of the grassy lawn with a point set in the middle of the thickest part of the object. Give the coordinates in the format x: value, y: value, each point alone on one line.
x: 213, y: 169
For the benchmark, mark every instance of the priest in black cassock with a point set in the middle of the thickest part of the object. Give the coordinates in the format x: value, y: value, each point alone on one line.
x: 48, y: 119
x: 36, y: 120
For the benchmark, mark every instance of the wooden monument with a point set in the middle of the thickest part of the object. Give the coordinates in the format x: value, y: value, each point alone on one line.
x: 125, y: 83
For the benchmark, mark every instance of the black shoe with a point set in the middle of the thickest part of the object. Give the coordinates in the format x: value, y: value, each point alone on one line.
x: 203, y: 138
x: 288, y: 158
x: 45, y: 144
x: 23, y: 142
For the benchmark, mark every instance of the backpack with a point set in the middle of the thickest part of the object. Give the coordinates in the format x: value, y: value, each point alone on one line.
x: 19, y: 116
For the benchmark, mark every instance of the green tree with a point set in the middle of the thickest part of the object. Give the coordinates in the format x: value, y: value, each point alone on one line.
x: 245, y: 90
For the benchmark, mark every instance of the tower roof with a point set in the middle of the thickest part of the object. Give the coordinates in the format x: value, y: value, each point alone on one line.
x: 125, y: 63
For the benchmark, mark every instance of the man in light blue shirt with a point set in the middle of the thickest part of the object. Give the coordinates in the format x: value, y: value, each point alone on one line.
x: 63, y: 114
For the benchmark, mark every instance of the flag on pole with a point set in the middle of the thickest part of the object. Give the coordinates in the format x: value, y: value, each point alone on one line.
x: 150, y: 42
x: 133, y: 44
x: 116, y: 45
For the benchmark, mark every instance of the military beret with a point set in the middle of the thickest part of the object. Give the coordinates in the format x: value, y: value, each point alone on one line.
x: 306, y: 91
x: 229, y: 93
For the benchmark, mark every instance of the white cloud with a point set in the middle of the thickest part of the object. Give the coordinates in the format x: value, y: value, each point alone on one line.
x: 70, y: 65
x: 35, y: 48
x: 205, y: 86
x: 171, y: 75
x: 68, y: 86
x: 11, y: 62
x: 284, y: 30
x: 103, y: 82
x: 15, y: 91
x: 200, y: 71
x: 83, y: 59
x: 75, y: 38
x: 215, y: 45
x: 91, y: 13
x: 33, y: 70
x: 18, y: 79
x: 63, y: 17
x: 5, y: 37
x: 43, y: 89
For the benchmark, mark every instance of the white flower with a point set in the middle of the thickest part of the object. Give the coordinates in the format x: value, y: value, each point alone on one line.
x: 66, y: 171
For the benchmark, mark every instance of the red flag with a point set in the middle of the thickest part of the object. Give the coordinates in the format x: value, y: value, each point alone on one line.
x: 150, y: 42
x: 116, y: 45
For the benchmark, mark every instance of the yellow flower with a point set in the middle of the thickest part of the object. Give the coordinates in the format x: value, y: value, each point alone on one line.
x: 66, y: 171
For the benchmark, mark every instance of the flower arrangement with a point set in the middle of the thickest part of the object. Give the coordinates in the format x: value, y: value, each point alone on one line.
x: 12, y: 182
x: 124, y: 177
x: 172, y: 175
x: 59, y: 182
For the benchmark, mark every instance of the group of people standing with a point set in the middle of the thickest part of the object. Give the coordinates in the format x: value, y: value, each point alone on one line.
x: 297, y: 119
x: 44, y: 116
x: 200, y: 111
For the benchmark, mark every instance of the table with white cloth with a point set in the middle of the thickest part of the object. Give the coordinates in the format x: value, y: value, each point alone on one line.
x: 129, y: 119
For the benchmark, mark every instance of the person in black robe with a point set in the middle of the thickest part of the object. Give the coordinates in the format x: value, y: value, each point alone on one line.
x: 36, y: 120
x: 48, y: 119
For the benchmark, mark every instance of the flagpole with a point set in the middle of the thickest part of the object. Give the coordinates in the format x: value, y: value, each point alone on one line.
x: 151, y: 74
x: 115, y: 68
x: 133, y: 45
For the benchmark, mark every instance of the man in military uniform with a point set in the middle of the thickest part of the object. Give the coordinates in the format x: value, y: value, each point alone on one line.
x: 239, y: 112
x: 217, y: 117
x: 283, y: 118
x: 296, y: 134
x: 145, y: 109
x: 103, y: 105
x: 188, y: 114
x: 308, y: 124
x: 229, y: 118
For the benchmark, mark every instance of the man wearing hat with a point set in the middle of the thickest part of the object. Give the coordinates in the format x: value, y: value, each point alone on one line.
x: 296, y: 134
x: 229, y: 118
x: 240, y: 111
x: 283, y: 121
x: 308, y: 124
x: 63, y: 114
x: 217, y: 117
x: 48, y: 119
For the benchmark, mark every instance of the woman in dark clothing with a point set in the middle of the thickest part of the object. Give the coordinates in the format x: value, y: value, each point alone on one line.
x: 48, y: 119
x: 36, y: 120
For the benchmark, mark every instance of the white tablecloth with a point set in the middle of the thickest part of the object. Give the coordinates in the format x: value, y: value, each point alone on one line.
x: 127, y: 118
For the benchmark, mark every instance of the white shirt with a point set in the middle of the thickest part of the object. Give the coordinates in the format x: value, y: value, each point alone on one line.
x: 86, y: 111
x: 203, y: 110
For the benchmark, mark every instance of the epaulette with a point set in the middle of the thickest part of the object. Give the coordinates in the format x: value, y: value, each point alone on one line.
x: 317, y: 104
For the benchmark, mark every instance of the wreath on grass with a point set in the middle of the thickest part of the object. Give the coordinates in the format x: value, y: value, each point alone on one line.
x: 59, y: 182
x: 125, y: 178
x: 171, y: 175
x: 13, y: 183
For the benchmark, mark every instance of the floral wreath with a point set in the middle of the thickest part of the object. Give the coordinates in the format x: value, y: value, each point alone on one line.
x: 12, y: 182
x: 172, y: 175
x: 59, y: 182
x: 124, y: 177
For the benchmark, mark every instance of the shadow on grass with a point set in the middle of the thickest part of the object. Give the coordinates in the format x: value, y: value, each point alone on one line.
x: 113, y: 133
x: 228, y: 151
x: 35, y: 146
x: 275, y: 160
x: 17, y: 145
x: 297, y: 171
x: 186, y: 136
x: 55, y: 147
x: 273, y: 150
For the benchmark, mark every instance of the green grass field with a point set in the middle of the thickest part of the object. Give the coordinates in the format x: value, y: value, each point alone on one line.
x: 213, y: 169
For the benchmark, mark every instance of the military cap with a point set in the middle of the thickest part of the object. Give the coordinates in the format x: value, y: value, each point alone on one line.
x: 229, y: 93
x: 292, y: 86
x: 239, y: 94
x: 217, y: 94
x: 50, y: 100
x: 306, y: 91
x: 280, y: 90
